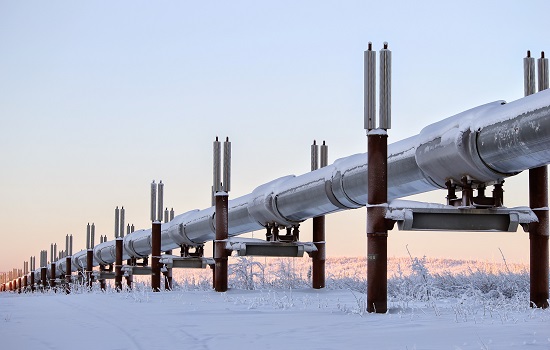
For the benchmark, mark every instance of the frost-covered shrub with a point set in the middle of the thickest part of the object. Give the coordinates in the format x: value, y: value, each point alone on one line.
x: 246, y: 273
x: 286, y: 276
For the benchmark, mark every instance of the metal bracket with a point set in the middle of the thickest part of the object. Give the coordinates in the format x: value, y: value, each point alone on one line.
x: 136, y: 270
x: 172, y: 261
x: 103, y: 275
x: 417, y: 216
x: 258, y: 247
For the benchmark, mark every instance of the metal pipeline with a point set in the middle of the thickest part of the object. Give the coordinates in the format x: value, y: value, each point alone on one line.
x: 487, y: 143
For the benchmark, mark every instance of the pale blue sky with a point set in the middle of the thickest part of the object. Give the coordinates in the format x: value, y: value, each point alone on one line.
x: 99, y: 98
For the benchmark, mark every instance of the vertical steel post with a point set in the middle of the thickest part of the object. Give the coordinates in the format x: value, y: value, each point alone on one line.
x: 155, y: 256
x: 221, y: 195
x: 118, y: 264
x: 68, y: 281
x: 43, y: 269
x: 377, y: 232
x: 31, y: 277
x: 52, y: 276
x: 89, y: 267
x: 220, y: 256
x: 43, y: 276
x: 538, y: 201
x: 32, y: 281
x: 319, y: 257
x: 168, y: 275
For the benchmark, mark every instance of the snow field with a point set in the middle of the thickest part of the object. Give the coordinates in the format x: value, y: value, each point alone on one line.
x: 434, y: 304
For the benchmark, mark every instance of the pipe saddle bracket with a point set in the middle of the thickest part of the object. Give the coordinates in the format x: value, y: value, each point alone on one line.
x: 103, y: 275
x: 172, y: 261
x: 258, y: 247
x: 136, y: 270
x: 418, y: 216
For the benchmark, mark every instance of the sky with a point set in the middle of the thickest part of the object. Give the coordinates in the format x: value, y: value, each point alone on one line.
x: 97, y: 99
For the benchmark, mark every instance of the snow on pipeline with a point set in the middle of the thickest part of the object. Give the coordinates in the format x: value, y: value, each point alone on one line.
x: 433, y: 304
x: 487, y: 143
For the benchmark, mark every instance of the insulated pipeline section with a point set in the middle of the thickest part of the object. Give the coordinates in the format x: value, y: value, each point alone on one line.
x: 486, y: 143
x: 512, y: 144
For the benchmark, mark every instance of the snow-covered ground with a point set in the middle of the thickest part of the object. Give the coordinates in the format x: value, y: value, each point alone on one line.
x: 428, y: 310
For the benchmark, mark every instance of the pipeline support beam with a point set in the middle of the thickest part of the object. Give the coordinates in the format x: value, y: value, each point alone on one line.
x: 118, y: 264
x: 538, y: 200
x: 67, y: 275
x: 220, y: 255
x: 155, y: 256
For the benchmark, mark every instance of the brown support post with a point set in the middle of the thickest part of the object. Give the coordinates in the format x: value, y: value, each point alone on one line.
x: 377, y: 232
x: 25, y: 283
x: 52, y: 276
x: 168, y: 275
x: 155, y: 256
x: 538, y: 199
x: 32, y: 281
x: 19, y: 283
x: 43, y: 273
x: 377, y: 191
x: 319, y: 257
x: 118, y: 264
x: 538, y: 237
x: 89, y: 267
x: 220, y: 255
x: 68, y: 264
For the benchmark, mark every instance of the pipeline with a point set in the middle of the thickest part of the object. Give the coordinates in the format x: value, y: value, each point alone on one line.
x: 486, y: 144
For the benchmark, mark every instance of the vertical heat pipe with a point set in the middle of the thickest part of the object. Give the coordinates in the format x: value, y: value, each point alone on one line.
x: 226, y: 165
x: 217, y: 166
x: 116, y: 221
x: 121, y: 231
x: 153, y: 201
x: 369, y: 88
x: 314, y: 156
x: 88, y: 236
x: 92, y: 237
x: 377, y: 193
x: 529, y: 74
x: 538, y: 200
x: 319, y: 257
x: 160, y: 202
x: 385, y: 88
